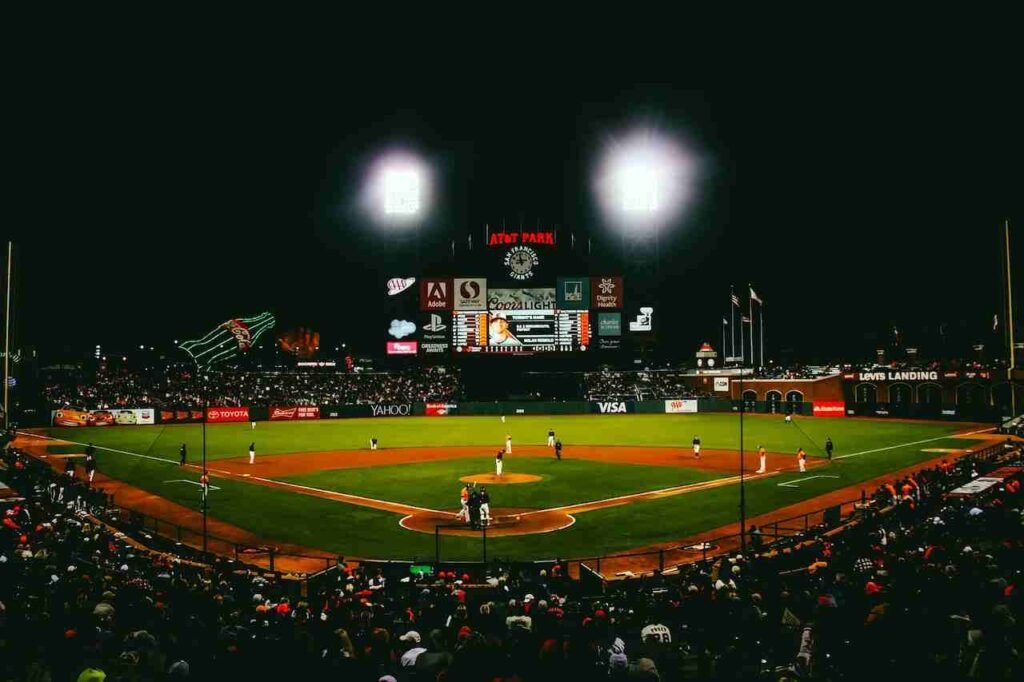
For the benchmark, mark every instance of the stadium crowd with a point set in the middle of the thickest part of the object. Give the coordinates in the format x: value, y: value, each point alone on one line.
x: 637, y: 385
x: 930, y: 589
x: 176, y: 387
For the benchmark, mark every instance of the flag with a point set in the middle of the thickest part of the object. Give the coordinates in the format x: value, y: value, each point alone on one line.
x: 230, y: 338
x: 753, y: 295
x: 995, y: 322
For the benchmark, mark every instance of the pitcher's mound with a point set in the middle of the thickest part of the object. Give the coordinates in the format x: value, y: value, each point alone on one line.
x: 492, y: 479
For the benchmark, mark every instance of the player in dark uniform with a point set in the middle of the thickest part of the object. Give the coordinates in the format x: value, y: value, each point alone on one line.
x: 829, y: 447
x: 90, y: 466
x: 182, y: 453
x: 558, y: 449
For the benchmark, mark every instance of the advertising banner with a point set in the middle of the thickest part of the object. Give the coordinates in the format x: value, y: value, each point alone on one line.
x: 279, y: 413
x: 573, y: 293
x: 227, y: 414
x: 436, y: 333
x: 680, y: 406
x: 612, y: 407
x: 609, y: 324
x: 112, y: 417
x: 435, y: 294
x: 470, y: 293
x: 440, y: 409
x: 606, y: 292
x: 180, y: 416
x: 402, y: 347
x: 521, y: 299
x: 829, y: 408
x: 392, y: 410
x: 722, y: 384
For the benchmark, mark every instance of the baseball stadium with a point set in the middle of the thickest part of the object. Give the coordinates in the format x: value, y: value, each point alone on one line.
x: 429, y: 441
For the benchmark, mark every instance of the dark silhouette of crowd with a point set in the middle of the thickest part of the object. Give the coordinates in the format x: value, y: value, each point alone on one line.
x: 179, y: 387
x: 928, y: 586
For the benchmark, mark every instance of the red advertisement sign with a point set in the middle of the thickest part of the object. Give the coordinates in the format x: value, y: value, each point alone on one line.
x: 402, y: 347
x: 439, y: 409
x: 227, y: 414
x: 278, y: 413
x: 606, y: 292
x: 435, y: 294
x: 829, y: 408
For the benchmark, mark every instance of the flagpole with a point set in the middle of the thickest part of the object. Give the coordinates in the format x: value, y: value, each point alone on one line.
x: 750, y: 302
x: 760, y: 314
x: 1009, y: 320
x: 732, y: 321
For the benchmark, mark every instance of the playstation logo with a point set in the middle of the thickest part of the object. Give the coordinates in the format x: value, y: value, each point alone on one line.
x: 435, y: 324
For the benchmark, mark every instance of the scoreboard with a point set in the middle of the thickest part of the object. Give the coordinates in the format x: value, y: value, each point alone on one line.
x: 522, y: 332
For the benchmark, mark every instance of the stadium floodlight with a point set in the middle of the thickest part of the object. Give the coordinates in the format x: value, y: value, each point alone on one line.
x: 645, y: 178
x: 397, y: 189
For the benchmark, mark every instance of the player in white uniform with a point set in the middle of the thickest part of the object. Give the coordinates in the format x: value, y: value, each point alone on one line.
x: 508, y: 443
x: 485, y: 507
x: 551, y: 438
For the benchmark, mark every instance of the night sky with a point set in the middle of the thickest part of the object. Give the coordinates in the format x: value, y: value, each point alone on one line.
x: 154, y: 212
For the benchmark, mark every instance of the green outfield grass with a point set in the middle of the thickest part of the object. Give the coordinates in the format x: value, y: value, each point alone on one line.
x: 715, y: 430
x: 866, y: 448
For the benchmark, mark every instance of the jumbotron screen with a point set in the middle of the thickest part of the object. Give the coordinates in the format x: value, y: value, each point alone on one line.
x: 522, y: 332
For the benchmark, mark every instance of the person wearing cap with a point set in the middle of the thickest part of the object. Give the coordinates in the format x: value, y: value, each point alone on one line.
x: 411, y: 648
x: 499, y: 333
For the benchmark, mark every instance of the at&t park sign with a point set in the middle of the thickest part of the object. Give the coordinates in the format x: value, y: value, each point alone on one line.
x: 546, y: 238
x: 908, y: 375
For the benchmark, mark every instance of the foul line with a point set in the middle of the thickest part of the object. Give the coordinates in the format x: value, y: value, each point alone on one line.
x: 916, y: 442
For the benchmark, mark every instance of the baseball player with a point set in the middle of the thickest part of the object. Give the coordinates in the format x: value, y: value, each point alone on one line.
x: 182, y: 452
x: 508, y: 443
x: 801, y: 458
x: 696, y: 446
x: 463, y: 514
x: 829, y: 447
x: 373, y: 443
x: 558, y: 449
x: 252, y: 452
x: 485, y: 507
x: 762, y: 455
x: 90, y: 466
x: 498, y: 462
x: 551, y: 438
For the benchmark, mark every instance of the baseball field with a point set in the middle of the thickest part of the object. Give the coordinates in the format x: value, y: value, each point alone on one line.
x: 624, y: 481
